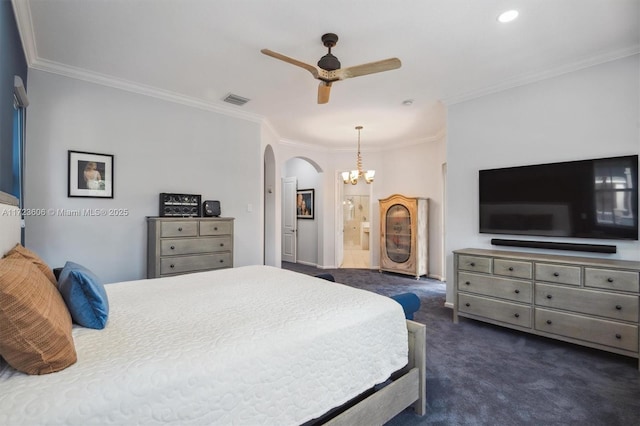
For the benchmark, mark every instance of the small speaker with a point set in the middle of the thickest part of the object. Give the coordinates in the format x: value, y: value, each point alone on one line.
x: 211, y: 208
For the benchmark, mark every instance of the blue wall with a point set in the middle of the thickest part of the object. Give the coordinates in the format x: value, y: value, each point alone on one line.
x: 12, y: 62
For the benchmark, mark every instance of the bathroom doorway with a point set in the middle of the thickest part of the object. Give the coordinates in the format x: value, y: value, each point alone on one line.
x: 356, y: 235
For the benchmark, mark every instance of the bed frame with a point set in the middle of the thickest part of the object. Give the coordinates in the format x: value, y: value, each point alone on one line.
x: 405, y: 388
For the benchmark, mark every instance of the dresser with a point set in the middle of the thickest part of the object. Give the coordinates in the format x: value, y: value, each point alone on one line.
x: 183, y: 245
x: 404, y: 239
x: 587, y: 301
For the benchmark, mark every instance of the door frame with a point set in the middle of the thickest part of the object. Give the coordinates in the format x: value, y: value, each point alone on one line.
x: 339, y: 220
x: 289, y: 219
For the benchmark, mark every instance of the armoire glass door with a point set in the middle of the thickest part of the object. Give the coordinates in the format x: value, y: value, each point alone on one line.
x: 398, y: 235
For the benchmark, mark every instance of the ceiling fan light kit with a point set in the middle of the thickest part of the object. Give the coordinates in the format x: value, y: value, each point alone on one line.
x: 329, y: 68
x: 329, y: 62
x: 353, y: 176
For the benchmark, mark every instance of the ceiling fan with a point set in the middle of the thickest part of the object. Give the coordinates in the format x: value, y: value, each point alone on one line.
x: 329, y: 71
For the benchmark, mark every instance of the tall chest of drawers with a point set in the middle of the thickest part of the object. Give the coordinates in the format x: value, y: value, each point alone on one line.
x: 183, y: 245
x: 588, y: 301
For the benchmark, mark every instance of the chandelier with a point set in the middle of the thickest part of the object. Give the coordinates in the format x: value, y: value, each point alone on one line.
x: 352, y: 176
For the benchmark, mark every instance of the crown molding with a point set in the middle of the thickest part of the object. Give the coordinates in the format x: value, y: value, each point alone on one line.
x: 24, y: 21
x: 304, y: 145
x: 538, y: 76
x: 109, y: 81
x: 22, y: 13
x: 439, y: 135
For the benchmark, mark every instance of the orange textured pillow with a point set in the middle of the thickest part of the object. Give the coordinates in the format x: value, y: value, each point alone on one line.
x: 21, y: 252
x: 35, y: 325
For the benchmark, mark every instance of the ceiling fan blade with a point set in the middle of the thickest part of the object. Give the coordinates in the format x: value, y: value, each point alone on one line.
x: 324, y: 90
x: 370, y: 68
x: 312, y: 69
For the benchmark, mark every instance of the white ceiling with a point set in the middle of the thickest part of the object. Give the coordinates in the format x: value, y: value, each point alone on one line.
x: 198, y: 51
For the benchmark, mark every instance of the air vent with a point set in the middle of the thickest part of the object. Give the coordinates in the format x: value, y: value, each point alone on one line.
x: 235, y: 99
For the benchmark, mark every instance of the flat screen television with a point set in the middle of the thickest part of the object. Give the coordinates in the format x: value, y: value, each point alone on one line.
x: 595, y: 198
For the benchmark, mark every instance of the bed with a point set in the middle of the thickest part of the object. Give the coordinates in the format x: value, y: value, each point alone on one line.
x: 248, y: 345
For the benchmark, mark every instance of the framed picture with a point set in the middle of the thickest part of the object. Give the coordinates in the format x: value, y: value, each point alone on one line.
x: 90, y: 175
x: 304, y: 204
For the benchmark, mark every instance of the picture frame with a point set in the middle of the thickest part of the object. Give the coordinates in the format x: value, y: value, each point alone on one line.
x: 305, y: 203
x: 90, y: 174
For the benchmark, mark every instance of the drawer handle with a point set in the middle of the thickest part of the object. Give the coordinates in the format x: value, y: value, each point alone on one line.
x: 549, y: 296
x: 517, y: 315
x: 467, y: 283
x: 618, y: 336
x: 221, y: 244
x: 549, y: 322
x: 173, y: 247
x: 472, y: 264
x: 511, y: 268
x: 467, y: 304
x: 618, y: 307
x: 180, y: 229
x: 215, y: 228
x: 221, y: 260
x: 517, y: 291
x: 172, y: 266
x: 609, y: 280
x: 556, y: 274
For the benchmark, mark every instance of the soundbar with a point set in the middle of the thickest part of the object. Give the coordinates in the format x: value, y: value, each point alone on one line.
x: 597, y: 248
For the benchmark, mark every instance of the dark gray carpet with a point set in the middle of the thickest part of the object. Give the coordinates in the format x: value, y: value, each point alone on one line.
x: 481, y: 374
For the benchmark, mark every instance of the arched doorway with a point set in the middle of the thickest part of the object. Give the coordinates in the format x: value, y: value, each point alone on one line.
x: 301, y: 241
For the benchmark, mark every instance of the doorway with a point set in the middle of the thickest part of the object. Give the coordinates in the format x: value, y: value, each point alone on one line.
x: 302, y: 235
x: 356, y: 222
x: 356, y: 225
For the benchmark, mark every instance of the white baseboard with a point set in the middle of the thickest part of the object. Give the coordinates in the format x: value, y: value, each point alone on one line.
x: 448, y: 305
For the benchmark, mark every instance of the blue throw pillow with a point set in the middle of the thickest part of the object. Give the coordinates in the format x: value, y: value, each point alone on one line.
x: 84, y: 295
x: 410, y: 303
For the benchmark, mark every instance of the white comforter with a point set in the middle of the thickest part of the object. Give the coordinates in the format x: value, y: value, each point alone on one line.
x: 243, y: 346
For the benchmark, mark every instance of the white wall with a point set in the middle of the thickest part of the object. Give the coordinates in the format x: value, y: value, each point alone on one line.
x: 416, y: 171
x: 159, y: 146
x: 589, y: 113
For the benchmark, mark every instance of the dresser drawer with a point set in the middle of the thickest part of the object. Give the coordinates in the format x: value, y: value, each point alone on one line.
x: 615, y: 306
x: 604, y: 332
x: 181, y: 264
x: 612, y: 279
x: 179, y: 229
x: 519, y: 291
x: 195, y: 245
x: 474, y: 263
x: 510, y: 313
x: 512, y: 268
x: 560, y: 274
x: 216, y: 228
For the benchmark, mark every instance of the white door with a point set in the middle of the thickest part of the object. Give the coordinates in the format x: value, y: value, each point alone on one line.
x: 289, y: 219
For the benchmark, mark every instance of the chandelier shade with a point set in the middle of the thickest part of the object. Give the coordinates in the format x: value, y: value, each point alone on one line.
x: 353, y: 176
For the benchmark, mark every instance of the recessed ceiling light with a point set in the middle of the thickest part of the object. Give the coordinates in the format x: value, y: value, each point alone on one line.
x: 508, y: 16
x: 408, y: 102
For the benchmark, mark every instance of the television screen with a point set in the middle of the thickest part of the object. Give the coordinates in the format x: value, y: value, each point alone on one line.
x: 581, y: 199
